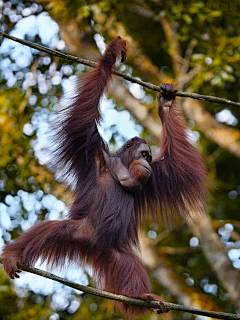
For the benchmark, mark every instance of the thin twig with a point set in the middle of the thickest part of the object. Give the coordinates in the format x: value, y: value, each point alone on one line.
x: 131, y: 301
x: 125, y: 76
x: 97, y: 292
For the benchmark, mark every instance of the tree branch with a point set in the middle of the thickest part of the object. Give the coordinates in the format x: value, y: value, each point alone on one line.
x: 226, y: 137
x: 164, y: 272
x: 132, y: 301
x: 217, y: 255
x: 125, y: 76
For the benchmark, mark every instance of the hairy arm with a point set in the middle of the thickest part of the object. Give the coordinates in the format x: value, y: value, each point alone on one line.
x: 179, y: 175
x: 52, y: 241
x: 79, y: 143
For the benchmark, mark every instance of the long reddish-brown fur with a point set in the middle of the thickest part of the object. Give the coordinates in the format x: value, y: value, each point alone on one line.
x: 177, y: 185
x: 102, y: 227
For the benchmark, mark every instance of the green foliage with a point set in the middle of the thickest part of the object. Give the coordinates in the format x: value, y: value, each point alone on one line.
x: 26, y: 306
x: 213, y: 30
x: 17, y: 154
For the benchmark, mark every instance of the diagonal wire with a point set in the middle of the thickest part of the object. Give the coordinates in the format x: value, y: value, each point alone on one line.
x: 123, y: 75
x: 97, y: 292
x: 128, y: 300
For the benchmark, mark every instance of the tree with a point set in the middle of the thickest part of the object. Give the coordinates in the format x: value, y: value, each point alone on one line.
x: 194, y: 44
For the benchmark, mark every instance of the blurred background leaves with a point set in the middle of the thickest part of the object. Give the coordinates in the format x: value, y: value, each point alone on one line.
x: 194, y: 44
